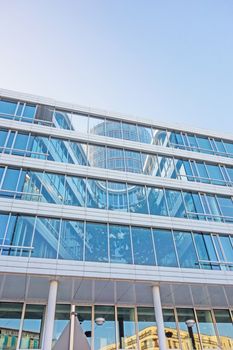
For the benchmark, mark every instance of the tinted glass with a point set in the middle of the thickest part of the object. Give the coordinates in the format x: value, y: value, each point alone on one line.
x: 71, y: 240
x: 120, y: 244
x: 156, y: 200
x: 143, y: 246
x: 164, y: 247
x: 96, y: 242
x: 186, y: 250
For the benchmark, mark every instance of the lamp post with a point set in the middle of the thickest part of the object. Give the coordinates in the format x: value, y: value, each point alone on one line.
x: 190, y: 324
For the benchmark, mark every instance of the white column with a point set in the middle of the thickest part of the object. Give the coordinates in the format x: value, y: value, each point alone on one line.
x: 50, y: 315
x: 72, y: 318
x: 159, y: 318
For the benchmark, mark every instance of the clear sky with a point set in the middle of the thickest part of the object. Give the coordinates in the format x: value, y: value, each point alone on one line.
x: 169, y: 60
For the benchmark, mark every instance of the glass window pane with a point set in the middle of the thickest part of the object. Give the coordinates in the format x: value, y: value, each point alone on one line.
x: 105, y: 334
x: 32, y: 327
x: 164, y: 247
x: 97, y: 156
x: 225, y: 328
x: 10, y: 315
x: 63, y: 120
x: 175, y: 203
x: 148, y: 336
x: 215, y: 174
x: 45, y: 241
x: 126, y: 328
x: 227, y: 247
x: 202, y: 172
x: 229, y: 147
x: 133, y: 162
x: 96, y: 242
x: 113, y: 129
x: 159, y: 137
x: 71, y: 240
x: 77, y: 153
x: 3, y: 136
x: 156, y: 200
x: 183, y: 316
x: 129, y: 131
x: 226, y: 206
x: 59, y: 150
x: 117, y: 196
x: 28, y: 113
x: 62, y: 318
x: 205, y: 247
x: 145, y: 134
x: 120, y: 244
x: 143, y: 246
x: 97, y: 126
x: 3, y: 225
x: 213, y: 208
x: 183, y: 170
x: 84, y: 318
x: 137, y: 199
x: 19, y: 236
x: 96, y: 194
x: 80, y: 122
x: 193, y: 205
x: 206, y: 327
x: 10, y: 182
x: 115, y: 159
x: 7, y: 107
x: 171, y: 329
x: 20, y: 144
x: 186, y: 250
x: 75, y: 191
x: 204, y: 144
x: 53, y: 188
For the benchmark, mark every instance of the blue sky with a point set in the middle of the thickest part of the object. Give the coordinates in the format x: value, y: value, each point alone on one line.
x: 169, y: 60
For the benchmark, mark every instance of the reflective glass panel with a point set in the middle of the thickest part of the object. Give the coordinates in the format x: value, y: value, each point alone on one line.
x: 117, y: 196
x: 215, y: 174
x: 175, y: 203
x: 126, y: 328
x: 225, y: 328
x: 137, y: 199
x: 145, y: 134
x: 96, y: 194
x: 228, y: 147
x: 226, y: 206
x: 97, y: 156
x: 120, y: 244
x: 53, y: 188
x: 105, y: 335
x: 62, y: 318
x: 45, y: 241
x: 9, y: 184
x: 71, y: 240
x: 205, y: 248
x: 133, y: 163
x: 206, y: 328
x: 19, y: 236
x: 186, y: 250
x: 96, y: 242
x: 227, y: 247
x: 84, y: 318
x: 164, y: 247
x: 3, y: 225
x: 80, y: 122
x: 3, y: 136
x: 32, y: 327
x: 113, y: 129
x: 115, y: 159
x: 157, y: 202
x: 129, y: 131
x: 75, y: 191
x: 63, y: 120
x: 183, y: 316
x: 97, y: 126
x: 204, y: 144
x: 193, y: 205
x: 170, y: 329
x: 147, y: 329
x: 143, y: 246
x: 7, y: 107
x: 10, y: 315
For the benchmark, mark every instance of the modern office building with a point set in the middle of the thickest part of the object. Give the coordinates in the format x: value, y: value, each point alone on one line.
x: 116, y: 226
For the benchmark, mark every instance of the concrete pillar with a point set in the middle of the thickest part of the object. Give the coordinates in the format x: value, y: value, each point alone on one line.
x: 72, y: 319
x: 159, y: 318
x: 50, y: 315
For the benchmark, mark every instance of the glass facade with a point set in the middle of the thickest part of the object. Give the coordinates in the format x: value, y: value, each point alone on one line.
x: 97, y: 242
x: 106, y: 157
x: 124, y: 327
x: 114, y: 216
x: 99, y: 125
x: 118, y: 196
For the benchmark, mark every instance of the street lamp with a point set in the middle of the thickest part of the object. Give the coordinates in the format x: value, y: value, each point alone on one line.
x: 190, y: 323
